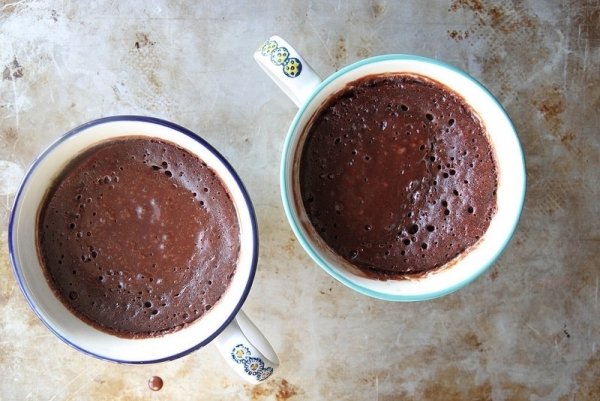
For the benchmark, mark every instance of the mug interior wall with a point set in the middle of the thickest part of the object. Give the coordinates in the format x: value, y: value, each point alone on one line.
x: 511, y: 181
x: 56, y: 316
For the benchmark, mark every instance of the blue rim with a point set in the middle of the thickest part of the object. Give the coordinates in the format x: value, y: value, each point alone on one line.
x: 184, y: 131
x: 284, y: 185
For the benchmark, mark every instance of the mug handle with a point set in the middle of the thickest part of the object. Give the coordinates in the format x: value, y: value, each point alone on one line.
x: 288, y: 69
x: 246, y: 350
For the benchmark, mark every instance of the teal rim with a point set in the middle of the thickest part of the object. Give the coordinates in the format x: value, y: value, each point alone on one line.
x: 284, y: 184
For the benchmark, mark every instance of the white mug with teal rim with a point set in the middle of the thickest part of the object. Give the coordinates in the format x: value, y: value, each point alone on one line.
x: 290, y: 71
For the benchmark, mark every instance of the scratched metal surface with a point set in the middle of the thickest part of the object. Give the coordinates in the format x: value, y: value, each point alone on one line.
x: 529, y: 329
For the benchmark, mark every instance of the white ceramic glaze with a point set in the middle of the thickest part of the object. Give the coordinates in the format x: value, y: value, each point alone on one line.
x: 255, y: 360
x: 66, y: 325
x: 288, y: 69
x: 500, y: 131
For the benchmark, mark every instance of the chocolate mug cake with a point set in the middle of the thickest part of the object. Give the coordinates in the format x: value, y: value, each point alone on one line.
x: 397, y: 175
x: 138, y: 237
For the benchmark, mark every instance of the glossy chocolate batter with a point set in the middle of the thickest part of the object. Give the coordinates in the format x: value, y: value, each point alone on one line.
x: 138, y: 237
x: 397, y: 175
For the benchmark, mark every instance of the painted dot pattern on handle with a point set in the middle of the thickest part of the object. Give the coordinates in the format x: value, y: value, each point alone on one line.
x: 253, y: 366
x: 280, y: 56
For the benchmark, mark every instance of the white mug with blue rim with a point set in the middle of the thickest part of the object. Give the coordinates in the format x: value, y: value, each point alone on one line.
x: 243, y: 346
x: 290, y: 71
